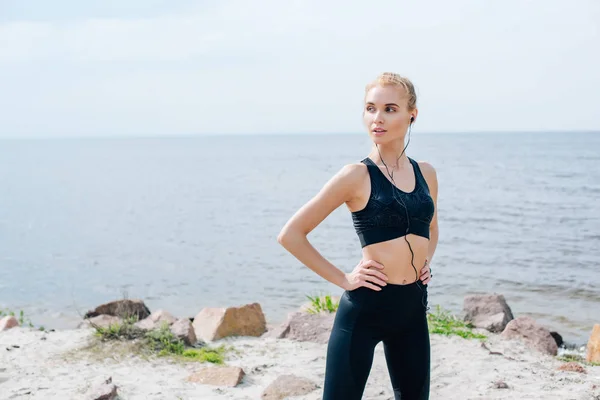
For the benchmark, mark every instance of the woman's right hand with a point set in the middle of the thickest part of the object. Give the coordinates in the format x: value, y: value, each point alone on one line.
x: 366, y: 274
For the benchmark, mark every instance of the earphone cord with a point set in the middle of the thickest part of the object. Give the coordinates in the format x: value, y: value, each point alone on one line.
x: 391, y: 175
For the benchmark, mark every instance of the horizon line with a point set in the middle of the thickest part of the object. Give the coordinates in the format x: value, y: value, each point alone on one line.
x: 192, y: 135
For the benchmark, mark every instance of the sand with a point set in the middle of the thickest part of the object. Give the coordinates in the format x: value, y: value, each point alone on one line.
x: 53, y: 365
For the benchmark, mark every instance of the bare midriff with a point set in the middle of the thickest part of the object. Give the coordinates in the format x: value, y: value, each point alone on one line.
x: 396, y: 258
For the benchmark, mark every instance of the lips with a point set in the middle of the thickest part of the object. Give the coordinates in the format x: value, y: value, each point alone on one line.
x: 379, y: 131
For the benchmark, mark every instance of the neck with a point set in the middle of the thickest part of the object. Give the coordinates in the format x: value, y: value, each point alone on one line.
x: 389, y: 154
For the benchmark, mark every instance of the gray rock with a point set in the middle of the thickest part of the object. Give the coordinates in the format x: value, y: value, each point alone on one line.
x: 156, y: 320
x: 184, y: 330
x: 305, y: 327
x: 101, y: 321
x: 487, y: 311
x: 288, y: 386
x: 218, y: 376
x: 532, y: 334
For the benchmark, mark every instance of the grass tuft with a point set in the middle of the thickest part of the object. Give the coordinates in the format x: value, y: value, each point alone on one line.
x: 320, y: 304
x: 570, y: 358
x: 120, y: 331
x: 443, y: 323
x: 161, y: 342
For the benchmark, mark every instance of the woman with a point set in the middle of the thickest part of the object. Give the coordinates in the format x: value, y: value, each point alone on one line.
x: 393, y: 202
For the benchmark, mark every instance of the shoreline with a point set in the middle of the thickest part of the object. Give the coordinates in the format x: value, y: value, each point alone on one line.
x: 67, y: 321
x: 465, y: 364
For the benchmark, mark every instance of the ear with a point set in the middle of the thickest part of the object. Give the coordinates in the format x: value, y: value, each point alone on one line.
x: 413, y: 115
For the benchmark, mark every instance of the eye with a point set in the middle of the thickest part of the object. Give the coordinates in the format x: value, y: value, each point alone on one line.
x: 390, y: 109
x: 370, y: 108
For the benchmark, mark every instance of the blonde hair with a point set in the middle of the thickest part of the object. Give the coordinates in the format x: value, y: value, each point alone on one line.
x: 393, y: 79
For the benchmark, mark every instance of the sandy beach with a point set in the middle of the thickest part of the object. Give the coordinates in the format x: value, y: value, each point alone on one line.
x: 60, y: 365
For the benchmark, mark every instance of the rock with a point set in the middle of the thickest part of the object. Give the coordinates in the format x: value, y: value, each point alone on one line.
x: 288, y: 386
x: 557, y: 338
x: 534, y: 335
x: 121, y: 308
x: 218, y: 376
x: 8, y: 322
x: 156, y: 320
x: 101, y: 321
x: 105, y: 391
x: 573, y: 367
x: 487, y: 311
x: 500, y: 385
x: 216, y: 323
x: 593, y: 346
x: 184, y: 330
x: 304, y: 327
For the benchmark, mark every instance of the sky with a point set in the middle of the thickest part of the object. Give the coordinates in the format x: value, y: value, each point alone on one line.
x: 153, y: 67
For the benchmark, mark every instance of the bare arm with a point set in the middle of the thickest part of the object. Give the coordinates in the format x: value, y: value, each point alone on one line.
x: 340, y: 189
x: 431, y: 177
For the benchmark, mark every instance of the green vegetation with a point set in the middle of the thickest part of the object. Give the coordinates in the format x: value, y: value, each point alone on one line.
x: 440, y: 321
x: 322, y: 304
x: 161, y: 342
x: 578, y: 359
x: 20, y: 316
x: 120, y: 331
x: 570, y: 357
x: 443, y: 323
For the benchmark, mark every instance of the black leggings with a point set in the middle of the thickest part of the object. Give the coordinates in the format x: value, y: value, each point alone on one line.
x: 395, y: 315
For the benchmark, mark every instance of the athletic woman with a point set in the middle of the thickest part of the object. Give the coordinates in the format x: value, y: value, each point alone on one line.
x: 393, y: 203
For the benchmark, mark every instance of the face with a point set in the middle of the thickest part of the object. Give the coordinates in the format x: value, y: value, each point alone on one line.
x: 386, y: 115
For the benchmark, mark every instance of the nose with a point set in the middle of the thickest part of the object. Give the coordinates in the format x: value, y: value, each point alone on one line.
x: 378, y: 117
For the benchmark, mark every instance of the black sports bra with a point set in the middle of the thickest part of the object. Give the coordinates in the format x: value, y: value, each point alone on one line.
x: 384, y: 217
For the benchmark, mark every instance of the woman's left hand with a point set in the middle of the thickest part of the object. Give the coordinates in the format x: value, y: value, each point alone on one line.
x: 425, y: 273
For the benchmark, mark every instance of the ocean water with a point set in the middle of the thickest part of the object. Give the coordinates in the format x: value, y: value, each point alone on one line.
x: 190, y: 222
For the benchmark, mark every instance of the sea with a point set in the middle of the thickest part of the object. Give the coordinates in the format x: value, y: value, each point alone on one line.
x: 186, y: 222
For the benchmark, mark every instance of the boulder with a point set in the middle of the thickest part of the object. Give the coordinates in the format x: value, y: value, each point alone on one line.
x: 216, y: 323
x: 156, y: 320
x: 121, y: 308
x: 8, y: 322
x: 218, y: 376
x: 532, y: 334
x: 288, y: 386
x: 183, y: 329
x: 593, y: 346
x: 487, y: 311
x: 101, y: 321
x: 304, y: 327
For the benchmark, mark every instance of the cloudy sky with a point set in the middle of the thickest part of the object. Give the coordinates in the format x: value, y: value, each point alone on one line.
x: 154, y: 67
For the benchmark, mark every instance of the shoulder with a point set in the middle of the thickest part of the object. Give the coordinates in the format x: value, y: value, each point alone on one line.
x: 426, y: 168
x: 352, y: 174
x: 345, y: 183
x: 428, y: 171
